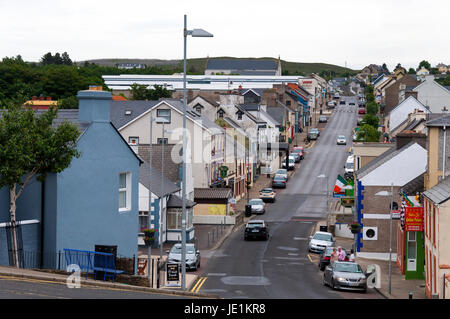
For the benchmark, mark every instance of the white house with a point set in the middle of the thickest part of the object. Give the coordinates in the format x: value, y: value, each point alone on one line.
x: 400, y: 113
x: 433, y: 95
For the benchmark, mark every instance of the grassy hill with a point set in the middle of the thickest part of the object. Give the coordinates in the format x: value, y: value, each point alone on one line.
x: 197, y: 65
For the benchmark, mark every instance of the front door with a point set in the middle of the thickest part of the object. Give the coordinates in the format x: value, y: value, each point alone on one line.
x: 411, y: 264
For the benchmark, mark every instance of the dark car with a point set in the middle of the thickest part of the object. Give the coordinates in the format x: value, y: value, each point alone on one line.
x: 342, y: 102
x: 279, y: 181
x: 345, y: 275
x: 351, y: 103
x: 256, y: 229
x: 325, y: 257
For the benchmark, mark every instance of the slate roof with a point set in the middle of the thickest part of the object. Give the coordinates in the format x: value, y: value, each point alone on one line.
x: 380, y: 160
x: 242, y: 64
x: 176, y: 201
x: 439, y: 121
x: 171, y: 169
x: 413, y: 124
x: 277, y: 113
x: 118, y: 111
x: 152, y: 177
x: 440, y: 192
x: 213, y: 103
x: 212, y: 193
x: 70, y: 115
x: 250, y: 106
x: 415, y: 186
x: 257, y: 91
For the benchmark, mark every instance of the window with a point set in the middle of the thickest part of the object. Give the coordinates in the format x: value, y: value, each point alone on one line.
x: 133, y: 140
x: 143, y: 221
x: 288, y: 103
x: 124, y: 191
x: 164, y: 113
x: 162, y: 141
x: 239, y: 116
x: 220, y: 113
x: 174, y: 218
x: 198, y: 108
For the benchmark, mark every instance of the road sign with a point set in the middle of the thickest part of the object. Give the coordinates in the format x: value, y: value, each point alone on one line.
x: 396, y: 214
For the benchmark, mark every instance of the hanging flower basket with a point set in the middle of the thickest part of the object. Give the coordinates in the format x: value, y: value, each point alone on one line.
x: 149, y: 236
x: 355, y: 227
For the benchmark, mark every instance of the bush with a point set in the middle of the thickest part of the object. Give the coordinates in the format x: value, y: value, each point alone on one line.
x: 372, y: 108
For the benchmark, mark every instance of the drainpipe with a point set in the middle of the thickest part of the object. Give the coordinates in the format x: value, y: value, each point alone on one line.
x: 42, y: 222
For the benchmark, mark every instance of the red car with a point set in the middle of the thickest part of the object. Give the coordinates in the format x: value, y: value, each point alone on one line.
x: 362, y: 111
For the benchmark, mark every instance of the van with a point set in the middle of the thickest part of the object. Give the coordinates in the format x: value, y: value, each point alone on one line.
x: 349, y: 167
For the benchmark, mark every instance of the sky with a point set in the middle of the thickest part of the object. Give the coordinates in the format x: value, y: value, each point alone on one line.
x: 342, y: 32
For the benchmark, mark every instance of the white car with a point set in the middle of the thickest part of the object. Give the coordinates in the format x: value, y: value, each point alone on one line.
x: 282, y: 172
x: 291, y: 163
x: 320, y: 241
x: 341, y: 140
x: 258, y: 206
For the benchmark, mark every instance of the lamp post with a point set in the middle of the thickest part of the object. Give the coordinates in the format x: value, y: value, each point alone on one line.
x: 325, y: 176
x: 193, y: 33
x: 163, y: 121
x: 391, y: 193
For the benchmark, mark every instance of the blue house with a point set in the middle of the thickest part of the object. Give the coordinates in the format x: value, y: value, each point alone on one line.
x: 92, y: 202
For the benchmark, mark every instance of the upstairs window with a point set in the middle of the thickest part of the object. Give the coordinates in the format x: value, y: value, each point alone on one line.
x: 163, y: 113
x: 124, y: 192
x: 133, y: 140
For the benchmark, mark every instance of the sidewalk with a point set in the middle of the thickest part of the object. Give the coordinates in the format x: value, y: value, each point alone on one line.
x: 400, y: 288
x: 62, y: 278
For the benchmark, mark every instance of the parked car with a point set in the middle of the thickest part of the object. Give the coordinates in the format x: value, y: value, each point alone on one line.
x: 267, y: 194
x: 336, y: 95
x: 320, y: 241
x: 325, y: 256
x: 299, y: 150
x: 256, y: 229
x: 352, y: 104
x: 313, y: 136
x: 296, y: 157
x: 283, y: 172
x: 192, y: 256
x: 345, y: 275
x: 279, y: 181
x: 291, y: 163
x: 341, y: 140
x: 362, y: 110
x: 322, y: 119
x: 349, y: 167
x: 258, y: 206
x: 315, y: 130
x: 331, y: 104
x: 342, y: 102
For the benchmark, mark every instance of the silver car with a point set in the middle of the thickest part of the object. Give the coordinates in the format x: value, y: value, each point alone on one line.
x: 283, y: 172
x: 320, y: 241
x: 192, y: 256
x: 258, y: 206
x: 341, y: 140
x: 345, y: 275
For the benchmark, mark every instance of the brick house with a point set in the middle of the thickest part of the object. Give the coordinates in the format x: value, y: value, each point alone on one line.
x: 392, y: 92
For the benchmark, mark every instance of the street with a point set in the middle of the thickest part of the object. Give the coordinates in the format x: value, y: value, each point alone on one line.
x: 281, y: 267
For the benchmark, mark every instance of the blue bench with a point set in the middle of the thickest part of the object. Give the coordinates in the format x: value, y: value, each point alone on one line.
x: 92, y: 261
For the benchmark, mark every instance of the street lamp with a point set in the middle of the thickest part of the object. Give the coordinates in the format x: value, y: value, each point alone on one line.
x: 193, y: 33
x: 391, y: 193
x: 325, y: 176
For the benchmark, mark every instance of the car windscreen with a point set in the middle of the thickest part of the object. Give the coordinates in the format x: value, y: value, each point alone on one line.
x: 350, y: 267
x: 341, y: 137
x: 177, y: 250
x: 278, y: 178
x: 349, y: 165
x: 320, y: 236
x: 255, y: 225
x: 266, y: 190
x: 254, y: 202
x: 281, y: 171
x: 296, y: 151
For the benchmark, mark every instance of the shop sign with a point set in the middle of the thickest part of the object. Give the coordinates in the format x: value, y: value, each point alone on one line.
x: 414, y: 218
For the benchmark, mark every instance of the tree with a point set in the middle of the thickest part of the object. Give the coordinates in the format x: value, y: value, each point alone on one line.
x: 47, y: 59
x: 370, y: 97
x: 424, y: 64
x: 66, y: 59
x: 68, y: 103
x: 384, y: 66
x: 372, y: 108
x: 30, y: 147
x: 368, y: 133
x: 142, y: 92
x: 411, y: 71
x: 372, y: 120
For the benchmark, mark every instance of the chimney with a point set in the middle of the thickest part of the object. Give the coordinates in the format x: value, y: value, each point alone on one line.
x: 405, y: 137
x: 48, y: 98
x: 410, y: 93
x: 34, y: 98
x: 94, y: 106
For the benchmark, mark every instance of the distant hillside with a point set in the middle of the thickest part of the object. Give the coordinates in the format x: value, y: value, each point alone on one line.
x: 197, y: 65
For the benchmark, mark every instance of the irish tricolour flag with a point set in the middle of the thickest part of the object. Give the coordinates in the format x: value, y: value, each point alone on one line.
x: 340, y: 183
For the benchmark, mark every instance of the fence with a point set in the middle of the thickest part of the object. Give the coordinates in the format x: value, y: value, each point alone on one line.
x: 56, y: 261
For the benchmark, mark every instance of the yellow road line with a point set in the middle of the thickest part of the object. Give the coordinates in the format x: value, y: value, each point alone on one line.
x: 196, y: 284
x: 309, y: 257
x: 201, y: 284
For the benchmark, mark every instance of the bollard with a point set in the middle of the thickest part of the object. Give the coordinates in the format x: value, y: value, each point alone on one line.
x: 410, y: 295
x: 157, y: 273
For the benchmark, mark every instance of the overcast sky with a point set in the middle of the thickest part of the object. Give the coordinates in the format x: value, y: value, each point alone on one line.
x: 356, y: 32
